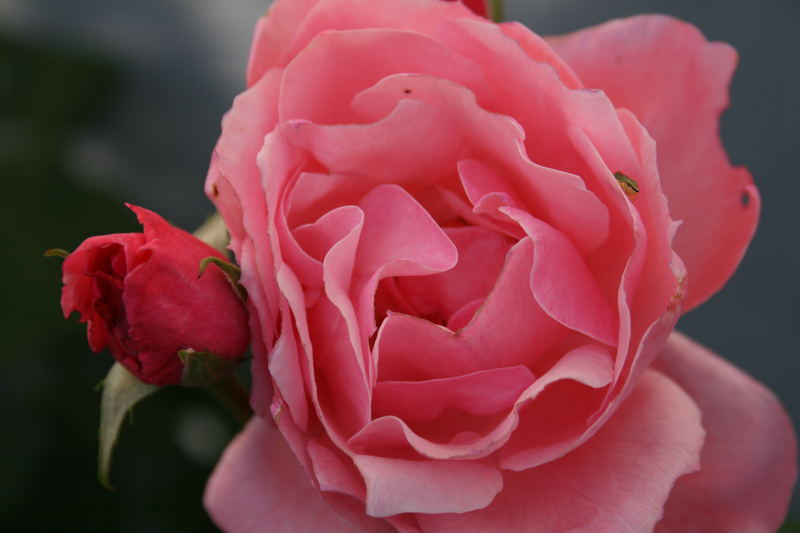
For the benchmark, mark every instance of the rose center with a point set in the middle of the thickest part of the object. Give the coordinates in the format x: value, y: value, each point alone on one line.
x: 449, y: 298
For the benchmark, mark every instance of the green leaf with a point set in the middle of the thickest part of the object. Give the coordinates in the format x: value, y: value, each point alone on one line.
x: 790, y: 526
x: 121, y: 391
x: 201, y: 369
x: 56, y: 252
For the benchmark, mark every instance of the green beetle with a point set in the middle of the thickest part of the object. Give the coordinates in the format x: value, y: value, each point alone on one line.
x: 629, y: 186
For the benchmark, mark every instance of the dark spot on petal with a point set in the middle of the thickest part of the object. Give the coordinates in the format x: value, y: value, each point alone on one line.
x: 407, y: 91
x: 745, y: 198
x: 214, y: 191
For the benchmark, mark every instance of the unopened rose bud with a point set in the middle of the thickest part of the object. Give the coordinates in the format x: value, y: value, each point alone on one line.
x: 483, y: 8
x: 141, y: 296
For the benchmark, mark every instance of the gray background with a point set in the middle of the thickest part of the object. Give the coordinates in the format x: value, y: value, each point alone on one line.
x: 182, y: 61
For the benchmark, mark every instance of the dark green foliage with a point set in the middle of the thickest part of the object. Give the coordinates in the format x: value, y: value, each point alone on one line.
x: 48, y: 96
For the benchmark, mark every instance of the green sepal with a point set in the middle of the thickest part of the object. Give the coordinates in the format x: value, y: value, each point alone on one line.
x: 121, y: 391
x: 232, y: 272
x: 201, y: 369
x: 56, y: 252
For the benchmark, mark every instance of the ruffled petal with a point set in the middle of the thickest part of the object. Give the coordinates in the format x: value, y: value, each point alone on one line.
x: 675, y: 82
x: 481, y: 254
x: 314, y: 89
x: 380, y: 152
x: 410, y: 348
x: 561, y: 282
x: 617, y: 482
x: 496, y: 143
x: 588, y: 366
x: 748, y: 464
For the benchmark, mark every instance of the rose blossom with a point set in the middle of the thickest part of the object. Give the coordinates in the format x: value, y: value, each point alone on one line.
x: 458, y: 295
x: 141, y: 297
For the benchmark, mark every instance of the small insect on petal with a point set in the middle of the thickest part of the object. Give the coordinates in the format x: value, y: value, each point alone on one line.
x: 629, y: 186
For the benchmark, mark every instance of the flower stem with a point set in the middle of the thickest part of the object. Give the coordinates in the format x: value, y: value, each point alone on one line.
x: 232, y: 394
x: 496, y: 11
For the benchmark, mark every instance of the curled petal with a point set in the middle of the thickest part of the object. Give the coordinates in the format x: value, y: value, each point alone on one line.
x: 617, y: 482
x: 676, y: 83
x: 397, y: 486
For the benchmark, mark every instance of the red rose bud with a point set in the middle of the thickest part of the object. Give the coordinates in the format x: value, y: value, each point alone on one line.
x: 141, y: 297
x: 479, y: 7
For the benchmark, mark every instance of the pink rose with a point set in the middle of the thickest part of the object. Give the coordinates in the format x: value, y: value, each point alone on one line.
x: 140, y: 296
x: 458, y: 295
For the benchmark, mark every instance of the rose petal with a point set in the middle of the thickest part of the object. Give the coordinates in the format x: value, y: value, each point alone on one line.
x: 277, y: 162
x: 318, y: 238
x: 258, y: 484
x: 119, y: 251
x: 676, y: 82
x: 315, y: 194
x: 341, y: 392
x: 379, y: 151
x: 397, y: 229
x: 661, y: 285
x: 354, y: 511
x: 617, y: 482
x: 590, y: 366
x: 421, y: 16
x: 332, y: 472
x: 314, y: 89
x: 538, y: 100
x: 397, y: 486
x: 554, y: 421
x: 399, y: 239
x: 748, y: 464
x: 562, y: 283
x: 480, y: 393
x: 496, y: 140
x: 539, y: 50
x: 273, y: 35
x: 464, y: 315
x: 486, y: 189
x: 261, y: 391
x: 284, y: 368
x: 234, y: 185
x: 611, y: 259
x: 409, y: 348
x: 481, y: 254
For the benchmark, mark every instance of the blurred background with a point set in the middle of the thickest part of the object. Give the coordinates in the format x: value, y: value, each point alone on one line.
x: 108, y: 101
